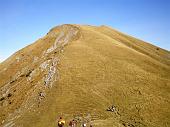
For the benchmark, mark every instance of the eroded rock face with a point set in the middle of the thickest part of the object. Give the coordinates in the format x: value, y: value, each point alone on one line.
x: 51, y: 72
x: 37, y: 76
x: 67, y: 33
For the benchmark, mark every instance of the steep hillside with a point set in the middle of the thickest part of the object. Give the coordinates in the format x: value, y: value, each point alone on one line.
x: 92, y: 74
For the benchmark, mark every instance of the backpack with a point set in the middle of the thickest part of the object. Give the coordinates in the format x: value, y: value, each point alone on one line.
x: 62, y: 122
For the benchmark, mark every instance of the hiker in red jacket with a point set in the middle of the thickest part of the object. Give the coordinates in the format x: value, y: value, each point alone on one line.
x: 72, y: 123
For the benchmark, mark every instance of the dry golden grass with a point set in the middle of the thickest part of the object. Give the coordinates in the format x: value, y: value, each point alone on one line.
x: 97, y: 68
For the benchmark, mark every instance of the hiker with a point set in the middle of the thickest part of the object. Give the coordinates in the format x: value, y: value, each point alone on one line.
x: 61, y: 122
x: 72, y: 123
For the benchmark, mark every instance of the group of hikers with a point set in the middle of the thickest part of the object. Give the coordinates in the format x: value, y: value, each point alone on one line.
x: 72, y: 123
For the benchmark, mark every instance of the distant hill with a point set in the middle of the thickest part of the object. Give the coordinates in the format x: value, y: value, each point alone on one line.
x: 93, y: 74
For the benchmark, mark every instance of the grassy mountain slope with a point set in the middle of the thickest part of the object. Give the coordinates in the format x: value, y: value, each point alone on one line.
x: 78, y: 72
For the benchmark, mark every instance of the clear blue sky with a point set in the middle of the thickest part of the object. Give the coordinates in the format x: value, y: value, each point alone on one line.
x: 24, y: 21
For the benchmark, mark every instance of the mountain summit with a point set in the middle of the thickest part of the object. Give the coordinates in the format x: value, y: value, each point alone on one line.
x: 93, y: 74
